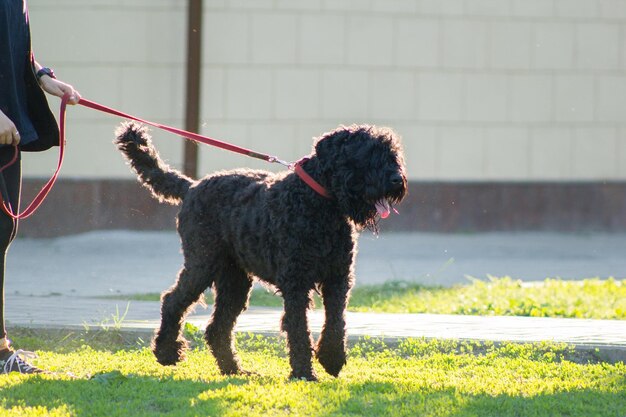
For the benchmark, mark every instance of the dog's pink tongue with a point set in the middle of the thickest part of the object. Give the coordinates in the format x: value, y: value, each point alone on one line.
x: 382, y: 207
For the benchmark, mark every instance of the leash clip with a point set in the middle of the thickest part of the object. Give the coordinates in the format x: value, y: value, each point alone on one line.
x: 275, y: 160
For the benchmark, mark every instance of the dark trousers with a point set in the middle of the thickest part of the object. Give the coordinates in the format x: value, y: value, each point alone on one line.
x: 10, y: 185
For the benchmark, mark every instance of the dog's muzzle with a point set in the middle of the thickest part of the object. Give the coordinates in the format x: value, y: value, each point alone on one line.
x: 395, y: 191
x: 396, y: 182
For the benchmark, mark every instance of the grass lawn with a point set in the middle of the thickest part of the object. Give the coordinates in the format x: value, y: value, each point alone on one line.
x: 118, y: 377
x: 590, y: 298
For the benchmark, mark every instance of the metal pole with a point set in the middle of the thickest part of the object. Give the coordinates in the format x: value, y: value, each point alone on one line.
x: 192, y: 101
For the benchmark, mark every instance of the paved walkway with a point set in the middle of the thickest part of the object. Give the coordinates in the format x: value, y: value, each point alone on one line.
x: 81, y: 269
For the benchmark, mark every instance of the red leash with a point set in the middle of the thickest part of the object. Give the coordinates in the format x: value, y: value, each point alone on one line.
x: 189, y: 135
x: 296, y: 166
x: 34, y: 205
x: 39, y: 198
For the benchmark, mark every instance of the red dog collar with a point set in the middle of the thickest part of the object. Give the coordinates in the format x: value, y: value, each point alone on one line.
x: 300, y: 172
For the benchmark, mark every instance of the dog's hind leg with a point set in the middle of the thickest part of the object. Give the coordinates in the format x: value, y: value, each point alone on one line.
x: 169, y: 345
x: 232, y: 288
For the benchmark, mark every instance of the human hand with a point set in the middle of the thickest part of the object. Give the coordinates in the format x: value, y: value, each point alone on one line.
x: 59, y: 88
x: 8, y: 132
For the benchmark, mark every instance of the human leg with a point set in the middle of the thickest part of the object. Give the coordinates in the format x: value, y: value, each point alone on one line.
x: 10, y: 184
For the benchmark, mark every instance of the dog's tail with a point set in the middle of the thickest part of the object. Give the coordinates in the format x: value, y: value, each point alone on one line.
x: 165, y: 183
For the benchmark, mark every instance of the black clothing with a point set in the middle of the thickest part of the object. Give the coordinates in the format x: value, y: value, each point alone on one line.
x: 23, y: 101
x: 21, y: 98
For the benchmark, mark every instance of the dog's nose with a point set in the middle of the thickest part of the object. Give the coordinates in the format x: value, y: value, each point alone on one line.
x: 396, y: 180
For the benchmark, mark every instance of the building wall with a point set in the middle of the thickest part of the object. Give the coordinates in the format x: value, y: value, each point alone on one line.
x: 481, y: 90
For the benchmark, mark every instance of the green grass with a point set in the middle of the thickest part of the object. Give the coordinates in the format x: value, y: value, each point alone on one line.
x: 590, y: 298
x: 118, y: 377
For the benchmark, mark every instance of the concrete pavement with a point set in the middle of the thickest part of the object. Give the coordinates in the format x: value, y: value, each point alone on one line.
x: 59, y: 283
x: 605, y: 338
x: 124, y: 262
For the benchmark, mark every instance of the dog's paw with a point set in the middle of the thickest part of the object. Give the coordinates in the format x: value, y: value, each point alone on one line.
x: 231, y: 368
x: 239, y: 372
x: 332, y: 360
x: 170, y: 353
x: 310, y: 376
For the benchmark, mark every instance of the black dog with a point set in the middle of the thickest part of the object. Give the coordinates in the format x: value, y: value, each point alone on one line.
x: 242, y: 224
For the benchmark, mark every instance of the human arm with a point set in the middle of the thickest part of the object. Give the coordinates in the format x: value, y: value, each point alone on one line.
x: 57, y: 87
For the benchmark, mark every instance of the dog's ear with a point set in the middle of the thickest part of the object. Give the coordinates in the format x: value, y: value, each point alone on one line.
x: 330, y: 143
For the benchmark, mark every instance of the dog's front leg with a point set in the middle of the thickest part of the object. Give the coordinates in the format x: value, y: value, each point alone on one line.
x: 295, y: 324
x: 331, y: 345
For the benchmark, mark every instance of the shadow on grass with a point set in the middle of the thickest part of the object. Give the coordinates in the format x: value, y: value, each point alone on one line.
x: 121, y: 396
x: 149, y: 396
x: 372, y: 398
x: 450, y: 395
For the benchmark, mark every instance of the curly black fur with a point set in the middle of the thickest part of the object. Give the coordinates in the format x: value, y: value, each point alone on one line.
x: 240, y: 225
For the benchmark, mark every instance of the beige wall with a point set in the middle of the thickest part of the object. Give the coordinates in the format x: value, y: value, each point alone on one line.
x: 479, y: 89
